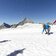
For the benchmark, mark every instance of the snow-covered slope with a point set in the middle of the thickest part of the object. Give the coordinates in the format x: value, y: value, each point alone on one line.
x: 30, y: 37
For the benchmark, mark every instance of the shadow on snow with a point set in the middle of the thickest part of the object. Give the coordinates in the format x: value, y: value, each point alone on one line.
x: 4, y: 41
x: 16, y: 52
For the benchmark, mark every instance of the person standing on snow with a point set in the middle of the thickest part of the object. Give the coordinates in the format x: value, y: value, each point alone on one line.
x: 46, y: 28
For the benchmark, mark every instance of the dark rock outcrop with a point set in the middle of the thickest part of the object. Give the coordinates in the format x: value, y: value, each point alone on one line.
x: 4, y: 25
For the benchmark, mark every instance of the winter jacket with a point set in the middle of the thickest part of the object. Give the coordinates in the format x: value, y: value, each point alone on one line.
x: 46, y: 26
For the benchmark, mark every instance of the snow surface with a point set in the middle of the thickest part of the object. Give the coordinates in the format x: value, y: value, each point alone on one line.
x: 28, y: 36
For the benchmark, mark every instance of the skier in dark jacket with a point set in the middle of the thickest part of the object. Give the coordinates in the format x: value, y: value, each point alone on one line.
x: 46, y: 28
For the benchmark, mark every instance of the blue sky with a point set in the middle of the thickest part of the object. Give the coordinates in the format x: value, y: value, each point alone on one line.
x: 13, y: 11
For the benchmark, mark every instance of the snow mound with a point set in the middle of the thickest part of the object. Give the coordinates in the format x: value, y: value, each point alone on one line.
x: 28, y: 36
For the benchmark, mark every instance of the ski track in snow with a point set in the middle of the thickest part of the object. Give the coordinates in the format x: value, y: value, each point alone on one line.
x: 29, y: 37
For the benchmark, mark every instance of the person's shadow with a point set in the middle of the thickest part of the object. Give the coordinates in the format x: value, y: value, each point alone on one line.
x: 4, y: 41
x: 16, y: 52
x: 50, y: 33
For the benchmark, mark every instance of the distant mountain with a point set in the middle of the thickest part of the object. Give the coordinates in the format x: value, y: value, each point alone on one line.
x: 54, y: 22
x: 4, y: 25
x: 49, y: 23
x: 25, y: 21
x: 13, y: 25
